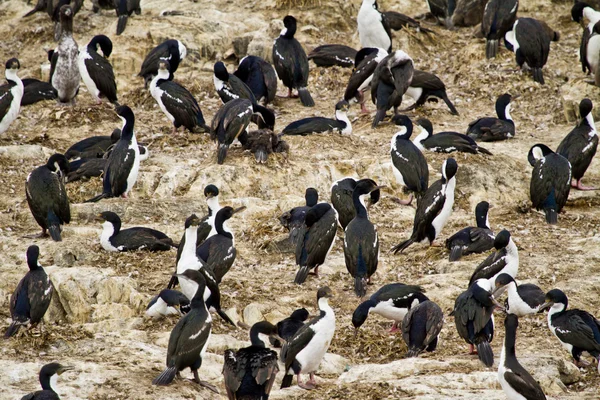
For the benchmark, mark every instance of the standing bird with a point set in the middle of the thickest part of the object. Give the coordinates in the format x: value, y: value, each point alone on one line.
x: 523, y: 299
x: 123, y: 164
x: 47, y: 197
x: 124, y: 10
x: 408, y: 163
x: 471, y: 239
x: 291, y: 62
x: 113, y: 238
x: 468, y: 12
x: 178, y: 104
x: 31, y: 298
x: 590, y: 40
x: 516, y: 382
x: 342, y: 200
x: 287, y: 327
x: 260, y: 77
x: 329, y: 55
x: 303, y: 353
x: 504, y: 260
x: 96, y: 71
x: 250, y: 372
x: 490, y: 129
x: 580, y: 145
x: 306, y: 126
x: 48, y: 378
x: 443, y: 11
x: 315, y: 240
x: 550, y: 181
x: 361, y: 242
x: 11, y: 95
x: 421, y: 326
x: 445, y: 142
x: 365, y: 63
x: 498, y: 18
x: 293, y: 220
x: 66, y: 76
x: 426, y: 86
x: 170, y: 50
x: 167, y: 302
x: 373, y: 26
x: 434, y: 209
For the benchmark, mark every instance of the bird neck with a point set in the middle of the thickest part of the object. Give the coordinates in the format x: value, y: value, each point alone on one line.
x: 324, y: 305
x: 255, y: 337
x: 48, y: 382
x: 67, y: 26
x: 213, y: 205
x: 483, y: 221
x: 11, y: 76
x: 221, y: 227
x: 423, y: 134
x: 509, y: 340
x: 198, y: 299
x: 589, y: 121
x: 33, y: 264
x: 191, y: 235
x: 358, y: 199
x: 110, y: 229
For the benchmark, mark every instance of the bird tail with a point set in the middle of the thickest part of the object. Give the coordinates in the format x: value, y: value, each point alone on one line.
x: 225, y: 317
x: 491, y: 48
x: 455, y: 253
x: 305, y: 97
x: 413, y: 352
x: 174, y: 281
x: 267, y: 117
x: 485, y: 353
x: 165, y: 377
x: 538, y: 75
x: 402, y: 246
x: 360, y: 286
x: 98, y: 198
x: 30, y: 13
x: 222, y: 152
x: 379, y: 116
x: 121, y: 24
x: 54, y: 226
x: 301, y: 275
x: 551, y: 216
x: 261, y: 156
x: 483, y: 151
x: 287, y: 381
x: 453, y: 109
x: 12, y: 329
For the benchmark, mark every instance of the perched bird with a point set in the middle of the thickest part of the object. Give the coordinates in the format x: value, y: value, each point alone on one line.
x: 293, y: 220
x: 259, y: 76
x: 391, y: 80
x: 523, y: 299
x: 590, y: 40
x: 124, y: 10
x: 123, y: 164
x: 577, y: 330
x: 580, y: 145
x: 408, y: 163
x: 167, y: 302
x: 250, y: 372
x: 421, y: 326
x: 468, y: 12
x: 47, y: 197
x: 472, y: 239
x: 291, y: 62
x: 48, y: 378
x: 228, y: 123
x: 316, y: 239
x: 490, y: 129
x: 392, y: 301
x: 66, y: 76
x: 498, y: 18
x: 361, y: 242
x: 11, y: 95
x: 263, y: 142
x: 434, y: 208
x: 445, y: 142
x: 303, y: 353
x: 329, y: 55
x: 113, y: 238
x: 373, y: 27
x: 504, y: 260
x: 31, y: 298
x: 287, y: 327
x: 306, y: 126
x: 170, y: 50
x: 426, y: 86
x: 397, y: 21
x: 342, y: 200
x: 442, y: 10
x: 550, y: 181
x: 96, y: 71
x: 93, y: 147
x: 365, y: 63
x: 178, y: 104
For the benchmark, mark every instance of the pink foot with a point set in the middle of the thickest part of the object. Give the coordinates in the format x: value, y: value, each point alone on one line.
x: 394, y: 327
x: 364, y: 109
x: 578, y: 185
x: 404, y: 202
x: 581, y: 363
x: 472, y: 349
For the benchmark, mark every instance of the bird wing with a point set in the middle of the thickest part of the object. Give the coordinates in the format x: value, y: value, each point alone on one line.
x: 150, y: 64
x: 140, y: 238
x: 360, y: 74
x: 264, y: 368
x: 528, y: 387
x: 435, y: 322
x: 482, y: 239
x: 233, y: 372
x: 578, y: 328
x: 585, y: 38
x: 117, y: 169
x: 19, y: 301
x: 314, y: 244
x: 387, y: 28
x: 102, y: 73
x: 173, y: 97
x: 6, y: 98
x: 291, y: 348
x: 283, y: 61
x: 427, y: 80
x: 341, y: 200
x: 270, y: 79
x: 489, y: 267
x: 540, y: 188
x: 405, y: 157
x: 428, y: 208
x: 496, y: 129
x: 301, y: 65
x: 531, y: 294
x: 40, y: 292
x: 192, y: 338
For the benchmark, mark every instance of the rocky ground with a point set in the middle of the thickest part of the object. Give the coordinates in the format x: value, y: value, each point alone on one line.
x: 96, y: 320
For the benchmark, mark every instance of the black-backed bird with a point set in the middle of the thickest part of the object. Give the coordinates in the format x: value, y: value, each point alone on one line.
x: 523, y: 299
x: 171, y: 50
x: 505, y: 259
x: 303, y: 353
x: 167, y: 302
x: 113, y: 238
x: 472, y: 239
x: 48, y: 377
x: 490, y: 129
x: 342, y: 200
x: 85, y: 168
x: 66, y: 76
x: 397, y: 21
x: 498, y: 18
x: 35, y: 90
x: 262, y: 142
x: 47, y: 197
x: 96, y: 71
x: 442, y: 10
x: 589, y: 47
x: 434, y: 208
x: 373, y: 27
x: 293, y: 220
x: 550, y: 181
x: 124, y: 9
x: 421, y: 326
x: 365, y: 63
x: 11, y: 95
x: 93, y: 147
x: 426, y: 86
x: 287, y: 327
x: 445, y: 142
x: 260, y: 77
x: 468, y: 12
x: 228, y: 123
x: 329, y: 55
x: 31, y: 298
x: 306, y: 126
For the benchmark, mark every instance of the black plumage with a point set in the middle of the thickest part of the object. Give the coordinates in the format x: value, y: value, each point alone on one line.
x: 31, y: 298
x: 260, y: 77
x: 11, y: 95
x: 291, y: 62
x: 550, y: 181
x: 137, y: 238
x: 293, y: 220
x: 421, y: 326
x: 263, y: 142
x: 170, y: 50
x: 443, y: 11
x: 287, y: 327
x: 306, y: 126
x: 365, y: 63
x: 47, y: 197
x: 46, y: 377
x: 85, y: 168
x: 329, y: 55
x: 93, y: 147
x: 468, y: 12
x: 490, y: 129
x: 523, y: 299
x: 397, y: 21
x: 228, y: 123
x: 590, y: 39
x: 498, y: 18
x: 124, y: 9
x: 445, y: 142
x: 342, y: 201
x: 52, y: 8
x: 96, y: 71
x: 426, y: 86
x: 472, y: 239
x: 36, y: 90
x: 504, y: 260
x: 168, y: 302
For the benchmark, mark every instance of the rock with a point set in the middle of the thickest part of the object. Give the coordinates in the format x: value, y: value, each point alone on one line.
x: 219, y: 343
x: 233, y: 314
x: 25, y: 152
x: 65, y: 258
x: 252, y: 314
x: 111, y: 311
x: 175, y: 180
x: 333, y: 364
x: 393, y: 371
x: 569, y: 373
x: 240, y: 45
x: 573, y: 92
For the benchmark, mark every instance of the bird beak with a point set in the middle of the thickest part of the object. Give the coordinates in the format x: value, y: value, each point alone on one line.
x: 377, y: 188
x: 237, y: 210
x: 277, y: 337
x: 244, y: 325
x: 500, y: 306
x: 98, y: 217
x: 498, y: 291
x: 547, y: 304
x: 516, y: 96
x: 65, y: 368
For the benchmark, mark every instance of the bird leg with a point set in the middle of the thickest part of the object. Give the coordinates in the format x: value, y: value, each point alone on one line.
x: 578, y: 185
x: 472, y: 349
x: 174, y: 130
x: 315, y: 272
x: 204, y: 383
x: 308, y: 385
x: 394, y: 327
x: 403, y: 202
x: 178, y: 375
x: 124, y: 195
x: 361, y: 100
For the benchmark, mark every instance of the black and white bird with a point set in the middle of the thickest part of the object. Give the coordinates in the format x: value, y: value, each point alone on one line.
x: 391, y: 80
x: 113, y: 238
x: 505, y: 260
x: 35, y: 90
x: 287, y: 327
x: 498, y: 18
x: 373, y: 27
x: 167, y: 302
x: 260, y: 77
x: 490, y: 129
x: 365, y: 63
x: 361, y: 242
x: 31, y: 298
x: 329, y: 55
x: 472, y: 239
x: 48, y: 377
x: 47, y: 197
x: 523, y: 299
x: 124, y: 9
x: 391, y: 301
x: 85, y: 168
x: 445, y: 142
x: 515, y: 381
x: 93, y: 146
x: 315, y: 240
x: 291, y: 62
x: 589, y: 48
x: 443, y: 11
x: 303, y: 353
x: 425, y: 87
x: 550, y: 181
x: 123, y: 164
x: 11, y: 95
x: 52, y: 8
x: 342, y: 200
x: 580, y: 145
x: 66, y: 76
x: 306, y: 126
x: 96, y: 71
x: 578, y: 331
x: 434, y: 208
x: 176, y: 102
x: 249, y: 373
x: 293, y: 220
x: 421, y: 326
x: 408, y: 163
x: 171, y: 50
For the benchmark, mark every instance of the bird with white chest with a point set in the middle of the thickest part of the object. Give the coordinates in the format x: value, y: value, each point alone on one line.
x: 373, y: 27
x: 10, y: 95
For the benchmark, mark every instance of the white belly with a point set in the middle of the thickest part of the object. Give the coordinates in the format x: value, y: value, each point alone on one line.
x: 414, y: 92
x: 387, y: 310
x: 15, y: 106
x: 370, y: 29
x: 87, y: 79
x: 511, y: 394
x: 439, y: 221
x: 593, y: 52
x: 311, y: 356
x: 157, y: 94
x: 133, y: 174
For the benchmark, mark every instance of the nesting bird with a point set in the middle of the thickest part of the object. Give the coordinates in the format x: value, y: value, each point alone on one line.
x: 113, y: 238
x: 472, y: 239
x: 263, y: 142
x: 426, y: 86
x: 306, y: 126
x: 445, y: 142
x: 329, y: 55
x: 11, y: 95
x: 96, y: 71
x: 66, y: 76
x: 421, y: 326
x: 490, y: 129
